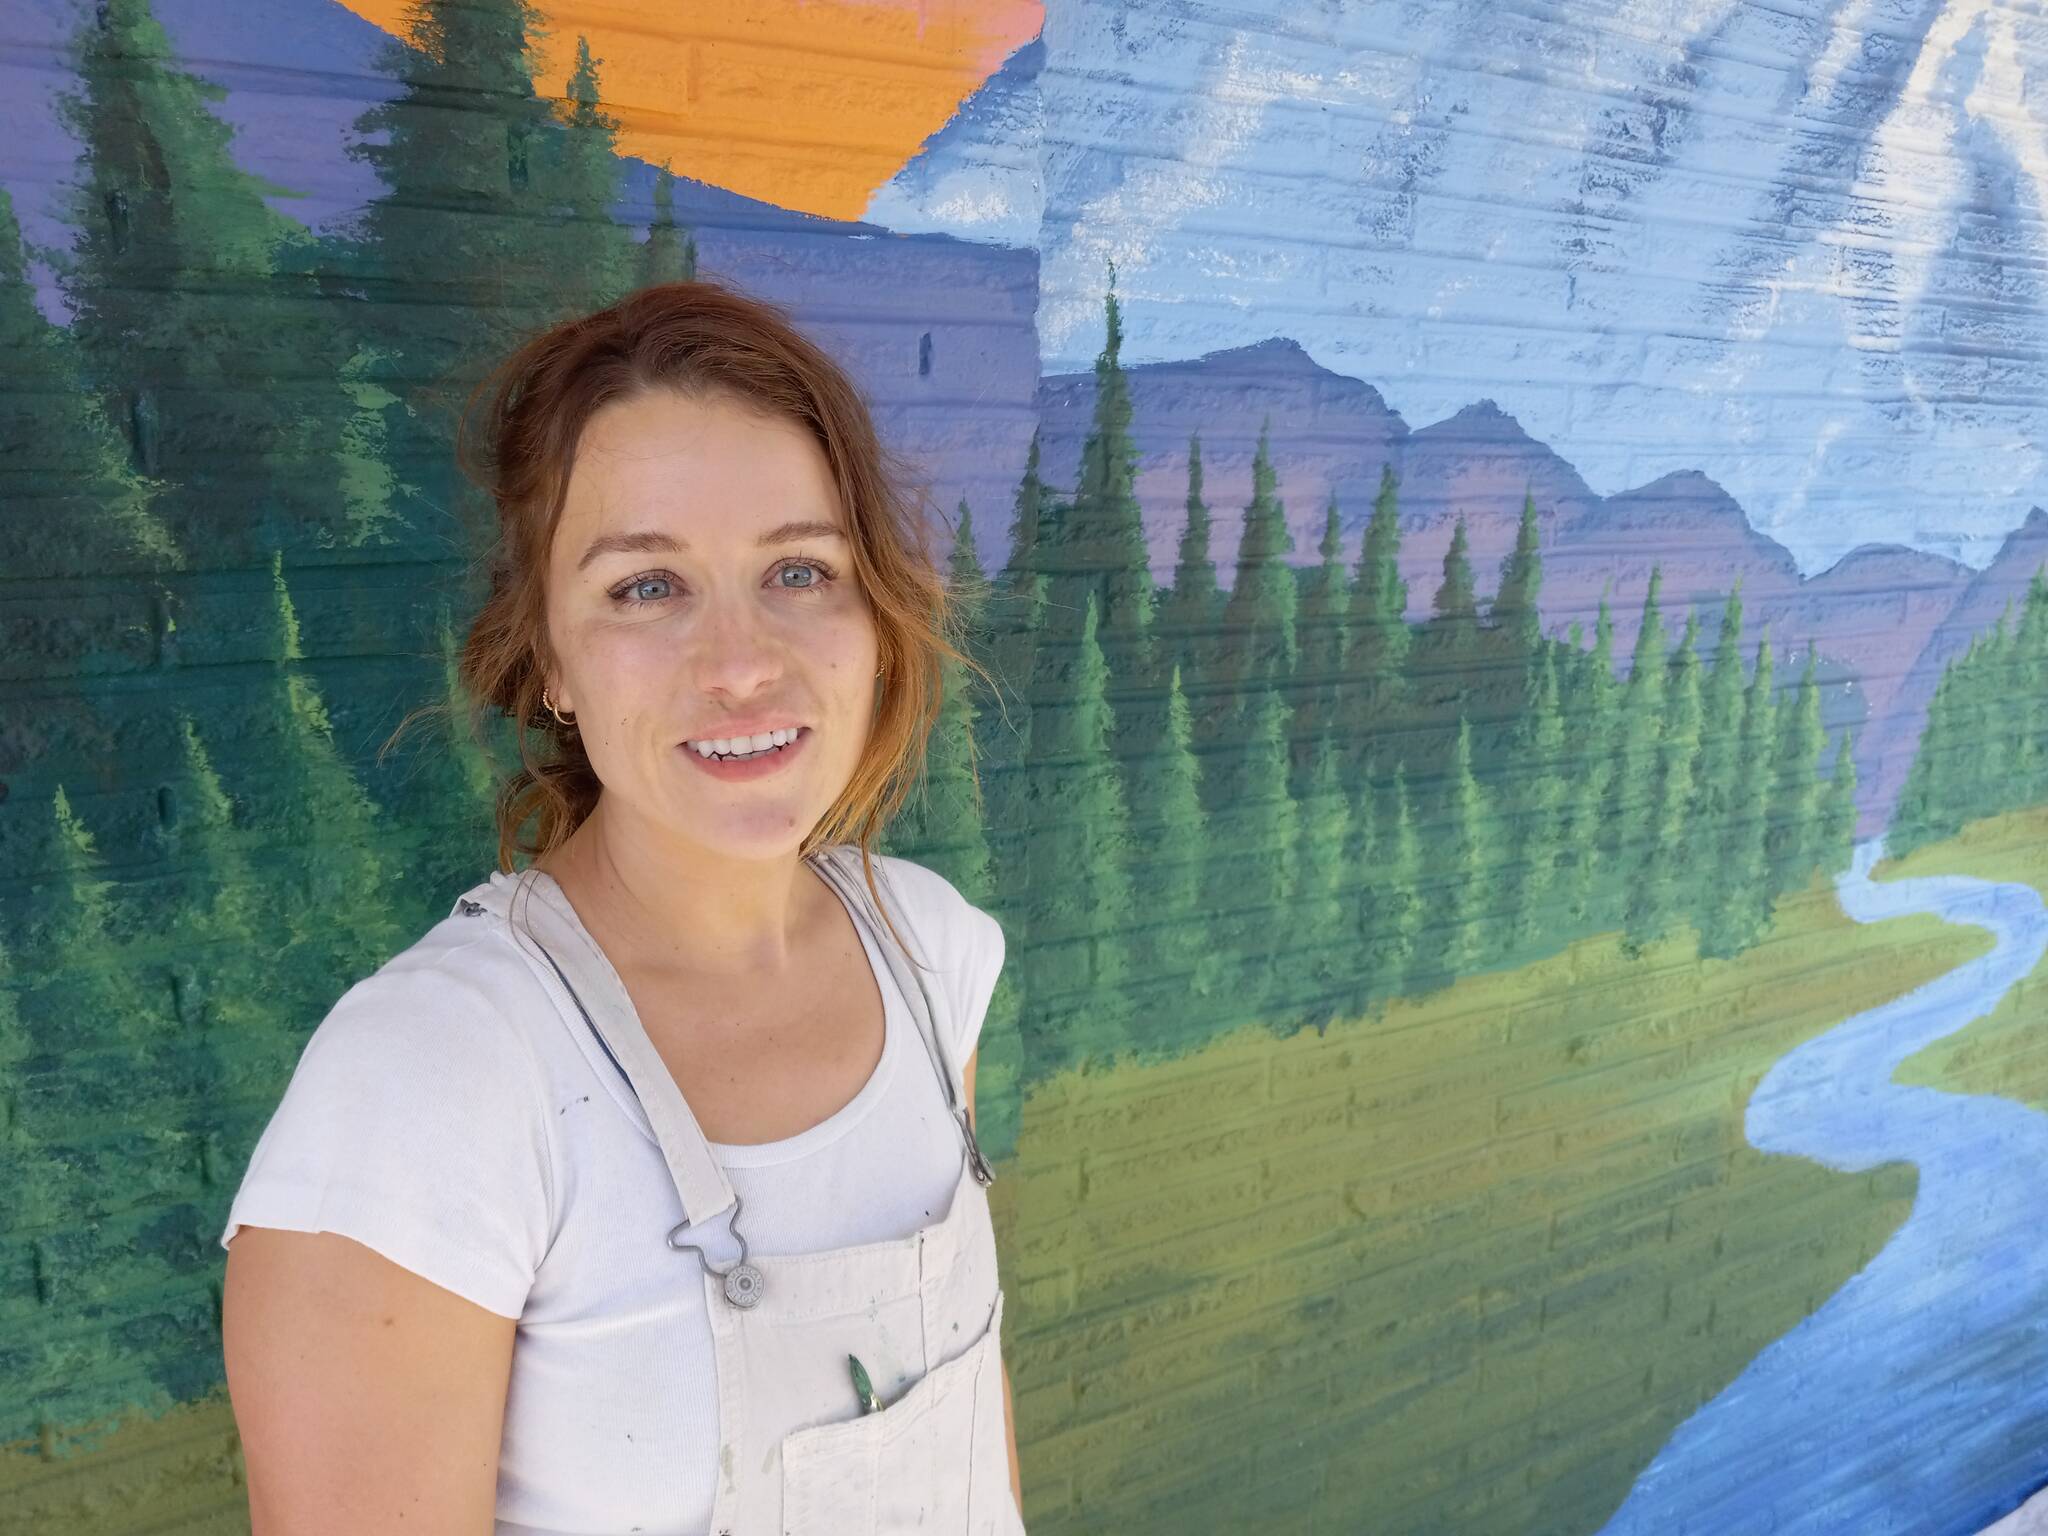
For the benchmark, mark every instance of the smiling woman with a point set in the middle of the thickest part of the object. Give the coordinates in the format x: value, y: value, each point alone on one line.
x: 652, y: 1151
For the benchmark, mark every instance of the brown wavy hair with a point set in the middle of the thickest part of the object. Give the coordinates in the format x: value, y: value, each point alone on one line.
x: 704, y: 339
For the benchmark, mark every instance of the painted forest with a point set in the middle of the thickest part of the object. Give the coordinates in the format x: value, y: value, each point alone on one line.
x: 236, y: 545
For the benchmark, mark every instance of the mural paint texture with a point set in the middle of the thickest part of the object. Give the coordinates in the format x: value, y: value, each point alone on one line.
x: 1518, y: 781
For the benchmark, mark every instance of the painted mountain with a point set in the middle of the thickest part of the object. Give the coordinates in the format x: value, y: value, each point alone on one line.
x: 1885, y: 619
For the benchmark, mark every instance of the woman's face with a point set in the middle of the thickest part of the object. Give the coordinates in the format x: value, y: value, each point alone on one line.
x: 700, y: 586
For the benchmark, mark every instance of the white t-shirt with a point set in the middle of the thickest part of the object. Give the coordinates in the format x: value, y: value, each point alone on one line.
x: 448, y: 1115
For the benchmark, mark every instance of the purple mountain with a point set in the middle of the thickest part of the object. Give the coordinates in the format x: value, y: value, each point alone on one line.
x: 1977, y: 607
x: 1889, y: 617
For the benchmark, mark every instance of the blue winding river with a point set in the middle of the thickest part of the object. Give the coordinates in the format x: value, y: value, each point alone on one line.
x: 1915, y: 1400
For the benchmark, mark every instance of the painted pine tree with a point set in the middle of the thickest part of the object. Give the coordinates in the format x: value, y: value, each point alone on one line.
x: 1838, y: 811
x: 67, y: 467
x: 1375, y: 706
x: 1318, y: 680
x: 1317, y: 910
x: 1590, y: 709
x: 1174, y: 956
x: 669, y: 253
x: 1710, y: 821
x: 341, y: 915
x: 1187, y: 629
x: 177, y: 313
x: 1076, y: 889
x: 101, y: 1100
x: 1534, y: 838
x: 1742, y: 907
x: 445, y: 267
x: 596, y: 261
x: 1663, y: 874
x: 1626, y: 820
x: 1791, y: 844
x: 1096, y: 547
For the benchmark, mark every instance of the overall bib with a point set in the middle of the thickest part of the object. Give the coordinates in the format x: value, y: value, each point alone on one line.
x: 797, y: 1456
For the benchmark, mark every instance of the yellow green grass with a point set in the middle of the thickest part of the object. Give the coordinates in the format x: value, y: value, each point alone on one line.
x: 2005, y: 1053
x: 1461, y: 1267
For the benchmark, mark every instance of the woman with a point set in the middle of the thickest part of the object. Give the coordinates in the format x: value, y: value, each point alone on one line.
x: 641, y: 1192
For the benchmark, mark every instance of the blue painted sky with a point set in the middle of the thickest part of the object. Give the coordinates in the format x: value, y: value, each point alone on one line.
x: 1774, y: 244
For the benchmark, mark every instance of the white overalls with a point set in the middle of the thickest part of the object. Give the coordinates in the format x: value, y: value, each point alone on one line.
x: 923, y: 1313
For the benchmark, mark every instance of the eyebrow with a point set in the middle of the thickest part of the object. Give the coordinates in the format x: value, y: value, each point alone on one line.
x: 651, y: 541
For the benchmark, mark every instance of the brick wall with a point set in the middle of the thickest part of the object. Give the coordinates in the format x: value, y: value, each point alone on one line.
x: 1477, y: 516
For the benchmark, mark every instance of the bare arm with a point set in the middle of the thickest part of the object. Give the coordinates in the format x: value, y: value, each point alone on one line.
x: 1009, y: 1407
x: 368, y: 1398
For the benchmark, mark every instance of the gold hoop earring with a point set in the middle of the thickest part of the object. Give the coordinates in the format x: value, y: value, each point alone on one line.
x: 548, y: 705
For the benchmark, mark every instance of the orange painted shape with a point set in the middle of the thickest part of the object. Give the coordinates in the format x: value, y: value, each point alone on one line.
x: 807, y: 104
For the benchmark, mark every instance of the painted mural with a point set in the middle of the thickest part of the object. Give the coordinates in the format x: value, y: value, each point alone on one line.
x: 1517, y: 780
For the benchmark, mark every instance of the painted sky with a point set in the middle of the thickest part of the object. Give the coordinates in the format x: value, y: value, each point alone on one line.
x: 809, y: 104
x: 1762, y: 242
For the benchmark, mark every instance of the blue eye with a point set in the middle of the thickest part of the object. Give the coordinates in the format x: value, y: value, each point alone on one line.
x: 820, y: 577
x: 639, y: 582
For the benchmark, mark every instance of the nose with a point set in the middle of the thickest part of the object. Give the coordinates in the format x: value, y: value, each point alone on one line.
x: 735, y: 651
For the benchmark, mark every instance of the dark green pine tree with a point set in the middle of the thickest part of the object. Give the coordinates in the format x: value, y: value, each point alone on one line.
x: 1502, y: 702
x: 1542, y: 788
x: 1097, y: 546
x: 1516, y: 622
x: 66, y: 466
x: 449, y: 266
x: 1792, y: 830
x: 1585, y: 877
x: 2026, y: 716
x: 102, y: 1100
x: 1458, y: 858
x: 1838, y: 812
x: 598, y: 260
x: 1923, y: 814
x: 1373, y: 706
x: 1503, y: 681
x: 1319, y: 927
x: 1993, y: 722
x: 669, y: 253
x: 224, y: 942
x: 1362, y: 884
x: 942, y: 827
x: 1319, y: 678
x: 1015, y: 616
x: 1709, y: 823
x: 1174, y: 956
x: 177, y: 309
x: 1260, y: 615
x: 1261, y: 655
x: 1191, y: 610
x: 1076, y: 969
x: 1444, y: 664
x: 1743, y: 898
x: 1251, y: 868
x: 346, y: 926
x: 1396, y: 917
x: 1630, y: 792
x: 940, y: 824
x: 1663, y: 875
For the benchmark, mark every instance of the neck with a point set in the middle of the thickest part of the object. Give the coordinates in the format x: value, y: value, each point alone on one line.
x: 665, y: 903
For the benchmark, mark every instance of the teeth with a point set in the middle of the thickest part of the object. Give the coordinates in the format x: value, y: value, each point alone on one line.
x: 759, y: 742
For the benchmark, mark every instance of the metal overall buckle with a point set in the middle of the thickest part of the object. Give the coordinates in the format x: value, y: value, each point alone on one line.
x: 742, y: 1280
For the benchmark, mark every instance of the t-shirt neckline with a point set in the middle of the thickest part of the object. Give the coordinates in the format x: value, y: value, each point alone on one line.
x: 762, y: 1154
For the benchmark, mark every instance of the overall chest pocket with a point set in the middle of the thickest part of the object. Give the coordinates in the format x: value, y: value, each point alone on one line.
x: 936, y: 1461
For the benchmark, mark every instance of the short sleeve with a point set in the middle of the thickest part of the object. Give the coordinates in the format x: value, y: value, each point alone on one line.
x: 974, y: 980
x: 414, y: 1123
x: 967, y: 946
